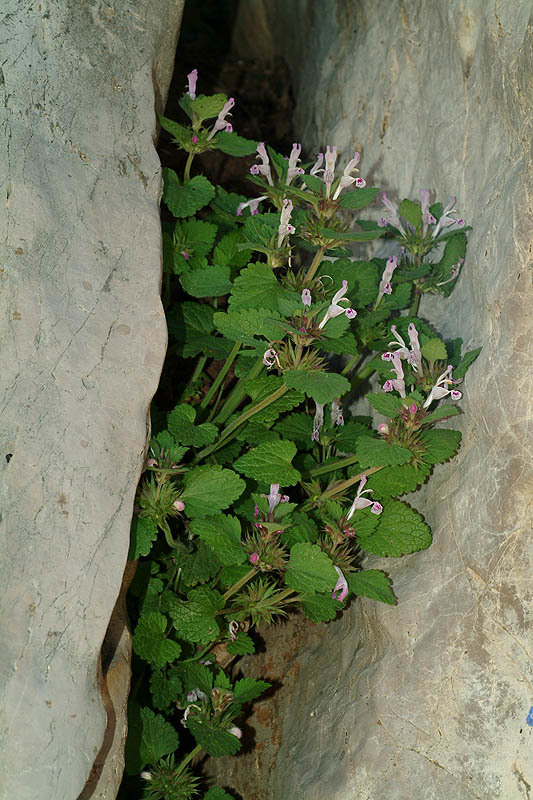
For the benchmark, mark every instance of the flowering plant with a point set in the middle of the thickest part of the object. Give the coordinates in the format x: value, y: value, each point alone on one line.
x: 266, y: 296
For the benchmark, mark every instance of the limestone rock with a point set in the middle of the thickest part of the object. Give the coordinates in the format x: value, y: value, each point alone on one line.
x: 83, y: 338
x: 429, y: 699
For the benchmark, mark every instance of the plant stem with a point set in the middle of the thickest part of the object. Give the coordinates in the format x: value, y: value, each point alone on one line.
x: 350, y: 365
x: 221, y: 375
x: 187, y: 172
x: 340, y: 487
x: 236, y: 586
x: 187, y: 759
x: 415, y: 303
x: 314, y: 264
x: 344, y: 462
x: 237, y: 394
x: 362, y: 375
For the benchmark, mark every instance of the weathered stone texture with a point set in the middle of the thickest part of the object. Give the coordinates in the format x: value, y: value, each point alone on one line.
x: 428, y: 700
x: 83, y: 339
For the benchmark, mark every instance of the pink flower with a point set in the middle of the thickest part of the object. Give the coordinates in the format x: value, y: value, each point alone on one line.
x: 351, y: 313
x: 455, y: 270
x: 341, y: 586
x: 398, y: 382
x: 335, y: 309
x: 329, y: 171
x: 151, y: 462
x: 346, y: 178
x: 337, y: 417
x: 363, y: 502
x: 185, y: 255
x: 274, y: 497
x: 383, y: 428
x: 284, y: 225
x: 195, y: 139
x: 441, y: 389
x: 235, y: 731
x: 385, y: 286
x: 270, y: 359
x: 318, y: 421
x: 415, y: 355
x: 394, y: 218
x: 254, y: 558
x: 192, y: 77
x: 253, y: 205
x: 294, y: 158
x: 221, y: 121
x: 233, y: 629
x: 445, y: 219
x: 179, y: 505
x: 264, y: 167
x: 424, y: 203
x: 316, y: 168
x: 413, y: 408
x: 306, y: 297
x: 229, y: 127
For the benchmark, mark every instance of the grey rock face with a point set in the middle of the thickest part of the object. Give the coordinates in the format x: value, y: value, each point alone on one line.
x: 82, y: 341
x: 428, y: 700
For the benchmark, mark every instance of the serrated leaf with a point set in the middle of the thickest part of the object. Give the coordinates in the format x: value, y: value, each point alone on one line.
x: 398, y: 480
x: 387, y: 404
x: 399, y: 298
x: 372, y: 583
x: 242, y: 645
x: 198, y: 566
x: 226, y: 253
x: 234, y: 145
x: 309, y: 569
x: 218, y: 794
x: 248, y: 689
x: 270, y: 462
x: 207, y: 282
x: 323, y: 387
x: 412, y: 212
x: 467, y: 361
x: 303, y: 529
x: 348, y: 435
x: 209, y: 489
x: 204, y: 106
x: 359, y: 198
x: 434, y: 350
x: 314, y: 183
x: 285, y: 403
x: 454, y: 250
x: 215, y: 741
x: 353, y: 236
x: 441, y: 445
x: 150, y: 643
x: 441, y: 412
x: 245, y: 325
x: 223, y: 535
x: 194, y: 619
x: 298, y: 428
x: 401, y: 531
x: 195, y: 676
x: 181, y: 425
x: 184, y: 200
x: 254, y: 434
x: 256, y: 287
x: 143, y: 535
x: 320, y: 607
x: 378, y: 452
x: 150, y: 738
x: 181, y: 134
x: 165, y: 687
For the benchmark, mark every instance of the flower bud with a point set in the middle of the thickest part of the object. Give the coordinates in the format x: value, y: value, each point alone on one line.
x: 179, y: 505
x: 254, y: 558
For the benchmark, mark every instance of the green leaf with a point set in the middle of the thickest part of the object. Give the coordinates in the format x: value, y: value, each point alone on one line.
x: 323, y: 387
x: 412, y: 212
x: 309, y: 569
x: 270, y: 462
x: 468, y: 360
x: 441, y: 412
x: 372, y: 583
x: 143, y: 535
x: 234, y: 145
x: 353, y: 236
x: 204, y: 106
x: 256, y: 287
x: 359, y: 198
x: 184, y: 200
x: 223, y: 535
x: 401, y: 531
x: 165, y: 687
x: 320, y: 607
x: 378, y: 452
x: 195, y: 676
x: 298, y: 428
x: 150, y: 738
x: 314, y: 183
x: 150, y: 643
x: 253, y: 434
x: 303, y: 529
x: 218, y: 794
x: 434, y: 350
x: 195, y: 619
x: 400, y: 297
x: 215, y: 741
x: 387, y: 404
x: 181, y: 425
x: 227, y: 254
x: 454, y: 249
x: 398, y: 480
x: 348, y: 435
x: 441, y: 445
x: 209, y: 489
x: 248, y: 689
x: 207, y: 282
x: 182, y: 135
x: 243, y: 645
x: 245, y: 325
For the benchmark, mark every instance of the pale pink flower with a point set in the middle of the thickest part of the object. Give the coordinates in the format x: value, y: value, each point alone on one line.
x: 346, y: 178
x: 285, y: 228
x: 318, y: 421
x: 151, y: 462
x: 363, y: 502
x: 329, y: 171
x: 455, y: 270
x: 233, y: 629
x: 254, y: 558
x: 341, y: 587
x: 306, y: 297
x: 415, y: 355
x: 221, y: 122
x: 316, y: 168
x: 441, y: 389
x: 446, y: 220
x: 385, y: 285
x: 192, y: 77
x: 337, y: 417
x: 393, y: 218
x: 351, y: 313
x: 263, y: 168
x: 179, y: 505
x: 235, y: 731
x: 253, y: 205
x: 383, y: 428
x: 335, y: 310
x: 271, y: 359
x: 398, y: 382
x: 294, y: 158
x: 274, y: 497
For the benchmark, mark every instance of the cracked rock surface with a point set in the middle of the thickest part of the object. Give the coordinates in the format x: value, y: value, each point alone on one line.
x: 429, y: 699
x: 82, y: 339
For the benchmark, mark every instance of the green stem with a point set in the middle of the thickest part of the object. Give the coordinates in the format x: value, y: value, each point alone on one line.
x: 198, y: 369
x: 237, y: 394
x: 344, y: 462
x: 351, y: 364
x: 340, y: 487
x: 415, y: 303
x: 221, y: 375
x: 187, y: 759
x: 240, y: 583
x: 187, y: 172
x: 314, y: 264
x: 362, y: 375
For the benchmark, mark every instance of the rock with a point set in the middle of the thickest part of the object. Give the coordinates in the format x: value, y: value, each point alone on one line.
x: 429, y: 699
x: 83, y: 340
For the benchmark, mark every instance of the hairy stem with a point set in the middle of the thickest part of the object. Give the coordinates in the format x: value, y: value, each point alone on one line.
x: 188, y: 758
x: 187, y: 172
x: 310, y: 274
x: 237, y: 394
x: 221, y: 375
x: 344, y: 462
x: 236, y: 586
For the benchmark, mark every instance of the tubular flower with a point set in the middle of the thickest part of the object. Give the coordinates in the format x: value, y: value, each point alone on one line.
x: 294, y: 169
x: 253, y: 205
x: 221, y: 123
x: 427, y: 218
x: 347, y: 179
x: 318, y: 421
x: 235, y: 731
x: 335, y: 310
x: 341, y: 587
x: 398, y: 382
x: 306, y: 297
x: 446, y: 220
x: 393, y: 218
x: 402, y: 351
x: 275, y: 498
x: 385, y: 285
x: 336, y: 414
x: 263, y: 168
x: 316, y: 168
x: 329, y: 171
x: 233, y: 629
x: 285, y: 228
x: 441, y: 389
x: 192, y: 77
x: 454, y: 272
x: 363, y: 502
x: 271, y: 359
x: 415, y: 355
